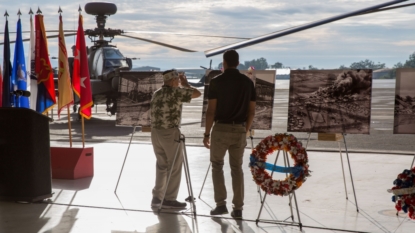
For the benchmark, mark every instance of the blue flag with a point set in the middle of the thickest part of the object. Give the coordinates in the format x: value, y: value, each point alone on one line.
x: 19, y: 74
x: 7, y: 67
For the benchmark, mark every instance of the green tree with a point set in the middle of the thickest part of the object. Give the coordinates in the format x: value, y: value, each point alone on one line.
x: 259, y: 64
x: 311, y: 67
x: 277, y: 65
x: 367, y: 64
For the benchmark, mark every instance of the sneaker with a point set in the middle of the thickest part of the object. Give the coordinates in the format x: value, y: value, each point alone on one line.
x: 155, y: 202
x: 219, y: 210
x: 236, y: 214
x: 173, y: 204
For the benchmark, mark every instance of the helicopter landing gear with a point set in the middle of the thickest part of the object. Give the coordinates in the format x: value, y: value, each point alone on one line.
x: 111, y: 106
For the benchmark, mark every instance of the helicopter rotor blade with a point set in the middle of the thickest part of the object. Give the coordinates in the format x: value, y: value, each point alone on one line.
x: 52, y: 36
x: 160, y: 43
x: 186, y: 34
x: 291, y: 30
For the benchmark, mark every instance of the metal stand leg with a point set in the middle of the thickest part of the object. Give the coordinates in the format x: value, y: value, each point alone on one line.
x: 286, y: 163
x: 252, y: 147
x: 125, y: 158
x: 344, y: 179
x: 181, y: 144
x: 191, y: 198
x: 203, y: 185
x: 265, y: 194
x: 308, y: 139
x: 350, y: 169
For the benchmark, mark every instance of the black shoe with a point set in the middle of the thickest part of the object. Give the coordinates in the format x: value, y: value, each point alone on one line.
x: 236, y: 214
x: 219, y: 210
x: 173, y: 205
x: 155, y: 202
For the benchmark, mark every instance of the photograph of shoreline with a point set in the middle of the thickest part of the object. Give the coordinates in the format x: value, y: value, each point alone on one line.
x: 134, y: 96
x: 330, y: 101
x: 264, y: 81
x: 404, y: 112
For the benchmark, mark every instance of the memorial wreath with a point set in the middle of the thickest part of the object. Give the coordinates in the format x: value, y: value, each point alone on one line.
x: 404, y: 192
x: 297, y: 174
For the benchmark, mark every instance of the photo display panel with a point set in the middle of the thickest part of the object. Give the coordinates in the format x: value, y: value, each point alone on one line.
x: 264, y: 81
x: 404, y: 113
x: 330, y: 101
x: 134, y: 95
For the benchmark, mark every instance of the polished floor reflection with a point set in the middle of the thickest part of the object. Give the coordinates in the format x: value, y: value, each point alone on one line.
x: 92, y: 205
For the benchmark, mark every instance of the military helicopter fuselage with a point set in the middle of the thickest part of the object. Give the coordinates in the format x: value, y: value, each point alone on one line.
x: 104, y: 60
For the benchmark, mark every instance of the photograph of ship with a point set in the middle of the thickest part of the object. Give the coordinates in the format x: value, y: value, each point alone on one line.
x: 264, y: 81
x: 330, y: 101
x: 404, y: 114
x: 134, y: 96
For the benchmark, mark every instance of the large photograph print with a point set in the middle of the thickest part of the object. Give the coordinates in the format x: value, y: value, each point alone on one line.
x: 134, y: 95
x: 264, y: 81
x: 404, y: 114
x: 330, y: 101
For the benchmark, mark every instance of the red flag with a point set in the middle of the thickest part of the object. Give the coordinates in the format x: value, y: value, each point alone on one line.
x: 46, y: 86
x: 81, y: 82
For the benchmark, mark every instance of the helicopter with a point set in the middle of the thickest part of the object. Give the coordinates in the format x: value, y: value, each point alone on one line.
x: 105, y: 61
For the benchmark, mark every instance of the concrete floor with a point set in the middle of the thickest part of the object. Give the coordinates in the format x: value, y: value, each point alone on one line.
x: 90, y: 204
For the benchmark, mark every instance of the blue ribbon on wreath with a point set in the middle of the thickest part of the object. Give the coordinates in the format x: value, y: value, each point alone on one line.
x: 296, y: 171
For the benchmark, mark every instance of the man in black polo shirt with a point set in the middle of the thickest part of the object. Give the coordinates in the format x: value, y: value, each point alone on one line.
x: 231, y: 110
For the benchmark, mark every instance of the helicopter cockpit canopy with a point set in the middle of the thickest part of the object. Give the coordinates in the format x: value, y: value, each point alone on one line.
x: 104, y: 60
x: 114, y: 59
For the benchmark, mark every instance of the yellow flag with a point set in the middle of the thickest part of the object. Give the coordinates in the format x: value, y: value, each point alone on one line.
x: 65, y: 98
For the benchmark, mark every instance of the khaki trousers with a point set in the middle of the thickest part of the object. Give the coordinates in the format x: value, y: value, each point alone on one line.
x: 231, y: 138
x: 165, y: 145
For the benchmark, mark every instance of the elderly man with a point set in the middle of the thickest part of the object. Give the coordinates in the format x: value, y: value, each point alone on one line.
x: 166, y: 108
x: 231, y: 110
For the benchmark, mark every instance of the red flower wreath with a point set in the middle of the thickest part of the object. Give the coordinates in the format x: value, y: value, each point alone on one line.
x: 404, y: 192
x: 267, y: 146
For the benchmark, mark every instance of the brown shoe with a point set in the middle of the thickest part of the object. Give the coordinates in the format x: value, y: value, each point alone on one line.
x: 236, y: 214
x: 219, y: 210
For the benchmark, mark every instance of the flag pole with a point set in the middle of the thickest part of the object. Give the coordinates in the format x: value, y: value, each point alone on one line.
x: 83, y: 132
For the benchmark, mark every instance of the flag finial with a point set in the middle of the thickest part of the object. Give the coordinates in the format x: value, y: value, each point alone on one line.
x: 6, y: 14
x: 79, y: 9
x: 60, y: 10
x: 19, y: 13
x: 38, y: 11
x: 30, y: 12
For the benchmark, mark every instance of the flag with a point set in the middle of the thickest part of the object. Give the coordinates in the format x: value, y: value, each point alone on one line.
x: 65, y: 98
x: 81, y: 82
x: 7, y: 67
x: 46, y: 88
x: 19, y: 77
x: 32, y: 81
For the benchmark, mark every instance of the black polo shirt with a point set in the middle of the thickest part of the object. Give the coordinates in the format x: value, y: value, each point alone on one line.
x: 233, y: 92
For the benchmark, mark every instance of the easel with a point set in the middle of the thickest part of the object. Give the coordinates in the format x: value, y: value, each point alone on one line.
x: 290, y: 195
x: 181, y: 143
x: 337, y: 137
x: 210, y: 164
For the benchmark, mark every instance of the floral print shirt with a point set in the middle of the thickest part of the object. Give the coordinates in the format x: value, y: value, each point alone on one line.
x: 166, y: 106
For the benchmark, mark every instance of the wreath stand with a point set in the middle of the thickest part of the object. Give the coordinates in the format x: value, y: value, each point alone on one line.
x: 337, y: 137
x: 210, y: 164
x: 181, y: 143
x: 290, y: 195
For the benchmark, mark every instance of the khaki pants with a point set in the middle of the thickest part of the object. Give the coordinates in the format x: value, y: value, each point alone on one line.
x: 165, y: 145
x: 231, y: 138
